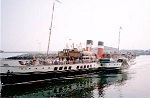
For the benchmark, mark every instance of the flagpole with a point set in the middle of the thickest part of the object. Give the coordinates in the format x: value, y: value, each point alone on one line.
x: 119, y: 38
x: 50, y: 29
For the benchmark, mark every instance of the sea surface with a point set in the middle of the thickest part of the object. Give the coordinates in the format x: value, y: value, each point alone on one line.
x: 131, y: 83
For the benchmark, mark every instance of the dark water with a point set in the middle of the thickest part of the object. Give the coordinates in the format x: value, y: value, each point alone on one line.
x: 131, y: 83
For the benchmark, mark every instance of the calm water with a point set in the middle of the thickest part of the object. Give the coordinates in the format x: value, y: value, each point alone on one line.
x: 131, y: 83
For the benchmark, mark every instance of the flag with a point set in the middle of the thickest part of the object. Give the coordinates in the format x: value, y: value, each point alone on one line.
x: 58, y: 1
x: 120, y: 28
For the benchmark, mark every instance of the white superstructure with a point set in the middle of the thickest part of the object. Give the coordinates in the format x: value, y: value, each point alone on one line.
x: 8, y: 67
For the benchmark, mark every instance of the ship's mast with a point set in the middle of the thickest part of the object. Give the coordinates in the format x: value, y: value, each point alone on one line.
x: 119, y: 38
x: 50, y: 29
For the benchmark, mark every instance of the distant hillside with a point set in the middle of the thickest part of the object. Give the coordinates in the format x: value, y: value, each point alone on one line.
x: 1, y: 51
x: 115, y: 50
x: 106, y: 49
x: 139, y: 52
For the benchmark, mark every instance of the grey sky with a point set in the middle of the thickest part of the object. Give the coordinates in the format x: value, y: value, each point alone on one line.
x: 25, y: 23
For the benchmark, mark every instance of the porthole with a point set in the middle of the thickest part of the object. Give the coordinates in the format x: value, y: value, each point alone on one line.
x: 65, y: 68
x: 60, y: 68
x: 77, y: 67
x: 84, y: 66
x: 69, y: 67
x: 87, y: 66
x: 55, y: 68
x: 81, y: 66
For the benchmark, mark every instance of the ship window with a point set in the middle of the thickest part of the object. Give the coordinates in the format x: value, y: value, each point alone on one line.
x: 87, y: 66
x: 6, y: 65
x: 69, y: 67
x: 65, y: 68
x: 29, y: 68
x: 55, y: 68
x: 60, y: 68
x: 81, y: 66
x: 48, y: 67
x: 35, y: 68
x: 84, y: 66
x: 43, y: 68
x: 90, y: 65
x: 77, y: 67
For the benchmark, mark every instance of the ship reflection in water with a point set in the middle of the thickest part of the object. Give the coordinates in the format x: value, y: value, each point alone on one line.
x: 87, y: 86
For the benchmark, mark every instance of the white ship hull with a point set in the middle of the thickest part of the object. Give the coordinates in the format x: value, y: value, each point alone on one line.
x: 115, y: 65
x: 14, y: 73
x: 15, y: 67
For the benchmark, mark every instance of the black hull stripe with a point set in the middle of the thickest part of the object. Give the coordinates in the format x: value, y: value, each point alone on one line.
x: 27, y: 78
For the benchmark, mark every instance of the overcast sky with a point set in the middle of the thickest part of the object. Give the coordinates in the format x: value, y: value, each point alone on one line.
x: 25, y: 23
